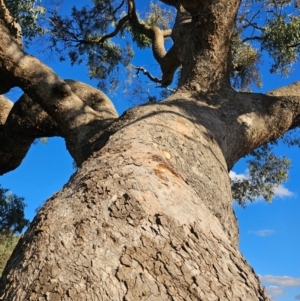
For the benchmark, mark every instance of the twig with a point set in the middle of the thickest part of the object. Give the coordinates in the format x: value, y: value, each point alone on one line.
x: 147, y: 73
x: 152, y: 78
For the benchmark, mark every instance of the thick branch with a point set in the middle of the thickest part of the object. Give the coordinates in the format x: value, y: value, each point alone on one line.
x: 290, y: 94
x: 28, y: 121
x: 254, y: 119
x: 25, y: 122
x: 152, y: 32
x: 169, y: 65
x: 39, y: 82
x: 54, y: 95
x: 168, y: 61
x: 291, y: 90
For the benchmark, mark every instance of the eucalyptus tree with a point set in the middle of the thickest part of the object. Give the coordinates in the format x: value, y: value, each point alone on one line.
x: 148, y: 214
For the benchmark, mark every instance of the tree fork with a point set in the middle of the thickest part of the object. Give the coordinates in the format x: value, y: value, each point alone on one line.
x: 127, y: 235
x: 148, y: 214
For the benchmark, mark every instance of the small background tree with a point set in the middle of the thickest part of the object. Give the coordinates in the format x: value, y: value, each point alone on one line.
x: 12, y: 222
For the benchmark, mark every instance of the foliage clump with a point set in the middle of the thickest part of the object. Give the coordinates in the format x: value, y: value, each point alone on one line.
x: 264, y: 28
x: 28, y: 14
x: 7, y: 245
x: 266, y: 172
x: 12, y: 217
x: 245, y: 66
x: 12, y: 221
x: 101, y: 36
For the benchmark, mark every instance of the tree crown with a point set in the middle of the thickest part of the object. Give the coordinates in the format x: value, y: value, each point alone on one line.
x: 106, y: 36
x: 12, y: 219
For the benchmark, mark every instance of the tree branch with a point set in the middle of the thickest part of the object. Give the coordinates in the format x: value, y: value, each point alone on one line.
x: 100, y: 41
x: 254, y: 38
x: 147, y: 73
x: 53, y: 94
x: 152, y: 32
x: 254, y: 119
x: 39, y: 82
x: 290, y: 90
x: 290, y: 93
x: 118, y: 7
x: 119, y: 26
x: 169, y: 64
x: 14, y: 28
x: 168, y: 61
x: 26, y: 120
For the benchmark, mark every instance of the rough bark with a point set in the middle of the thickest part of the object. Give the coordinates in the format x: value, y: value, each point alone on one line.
x: 148, y: 217
x: 148, y: 214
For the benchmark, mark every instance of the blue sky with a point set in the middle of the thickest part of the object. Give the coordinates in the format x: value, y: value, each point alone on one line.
x: 269, y: 233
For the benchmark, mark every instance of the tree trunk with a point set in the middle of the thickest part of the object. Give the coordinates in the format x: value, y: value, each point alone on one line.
x: 148, y: 217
